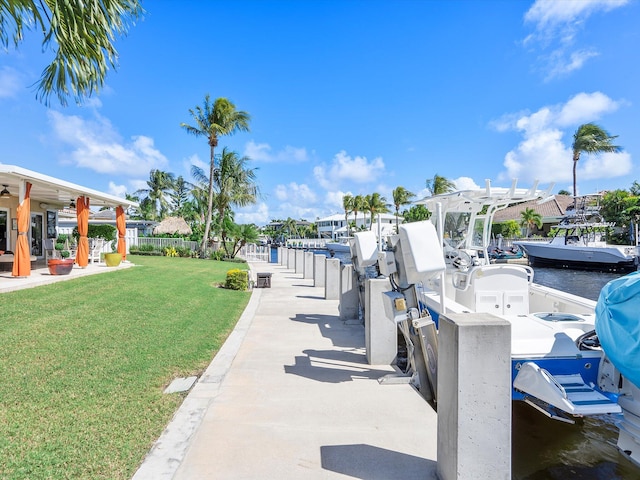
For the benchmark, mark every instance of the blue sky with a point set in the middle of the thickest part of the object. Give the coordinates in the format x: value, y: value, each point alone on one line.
x: 346, y: 97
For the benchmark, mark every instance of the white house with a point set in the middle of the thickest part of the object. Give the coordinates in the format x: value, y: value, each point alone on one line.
x: 334, y: 226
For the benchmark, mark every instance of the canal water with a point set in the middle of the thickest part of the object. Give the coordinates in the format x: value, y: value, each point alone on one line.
x: 546, y: 449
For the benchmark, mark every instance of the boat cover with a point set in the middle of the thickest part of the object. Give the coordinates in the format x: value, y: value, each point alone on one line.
x: 618, y: 324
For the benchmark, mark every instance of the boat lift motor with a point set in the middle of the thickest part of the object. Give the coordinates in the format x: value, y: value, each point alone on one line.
x: 415, y: 257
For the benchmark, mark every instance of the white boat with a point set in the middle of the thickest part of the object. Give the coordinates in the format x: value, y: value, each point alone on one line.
x: 581, y: 245
x: 441, y: 266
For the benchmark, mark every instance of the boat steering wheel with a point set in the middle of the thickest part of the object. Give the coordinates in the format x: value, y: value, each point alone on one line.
x: 461, y: 260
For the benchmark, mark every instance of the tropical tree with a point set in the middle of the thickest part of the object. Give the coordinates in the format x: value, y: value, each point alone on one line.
x: 401, y: 197
x: 359, y: 205
x: 160, y: 186
x: 376, y: 204
x: 180, y: 195
x: 439, y: 185
x: 529, y: 217
x: 590, y: 138
x: 416, y: 213
x: 243, y: 234
x: 347, y: 204
x: 214, y: 120
x: 82, y: 33
x: 234, y: 184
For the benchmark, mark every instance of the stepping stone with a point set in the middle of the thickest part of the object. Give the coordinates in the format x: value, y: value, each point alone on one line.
x: 180, y: 384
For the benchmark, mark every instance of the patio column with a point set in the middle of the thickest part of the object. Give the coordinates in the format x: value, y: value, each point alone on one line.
x: 122, y: 229
x: 82, y: 212
x: 22, y: 255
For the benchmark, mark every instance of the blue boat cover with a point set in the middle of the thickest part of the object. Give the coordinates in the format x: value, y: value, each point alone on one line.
x: 618, y: 324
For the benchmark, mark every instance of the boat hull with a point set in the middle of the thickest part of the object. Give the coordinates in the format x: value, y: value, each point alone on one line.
x: 579, y: 258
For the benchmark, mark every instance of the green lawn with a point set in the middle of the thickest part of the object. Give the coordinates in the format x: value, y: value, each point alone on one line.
x: 83, y: 364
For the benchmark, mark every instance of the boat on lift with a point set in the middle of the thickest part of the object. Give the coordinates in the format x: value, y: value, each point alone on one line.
x: 579, y: 242
x: 442, y: 266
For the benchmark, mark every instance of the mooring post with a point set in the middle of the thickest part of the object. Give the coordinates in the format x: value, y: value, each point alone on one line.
x: 349, y: 298
x: 380, y: 332
x: 299, y: 261
x: 332, y: 279
x: 318, y: 269
x: 291, y: 259
x: 474, y: 397
x: 308, y: 265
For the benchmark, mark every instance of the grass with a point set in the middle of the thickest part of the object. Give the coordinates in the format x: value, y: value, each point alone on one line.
x: 83, y: 364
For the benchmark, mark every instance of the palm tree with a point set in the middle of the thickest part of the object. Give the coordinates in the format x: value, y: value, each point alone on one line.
x: 359, y: 205
x: 401, y: 197
x: 439, y: 185
x: 160, y: 186
x: 82, y: 33
x: 347, y: 204
x: 212, y: 121
x: 529, y: 217
x: 590, y: 138
x: 376, y: 204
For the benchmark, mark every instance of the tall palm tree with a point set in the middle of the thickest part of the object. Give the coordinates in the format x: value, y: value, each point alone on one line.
x: 439, y: 185
x: 347, y: 204
x: 212, y: 121
x: 359, y: 205
x: 160, y: 186
x: 234, y: 184
x: 590, y: 138
x: 376, y: 204
x: 401, y: 197
x: 528, y: 218
x: 82, y: 34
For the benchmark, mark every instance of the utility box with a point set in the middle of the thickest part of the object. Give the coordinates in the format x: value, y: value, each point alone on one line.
x: 263, y: 280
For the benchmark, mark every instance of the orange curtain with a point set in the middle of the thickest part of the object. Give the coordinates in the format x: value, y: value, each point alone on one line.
x: 22, y: 255
x: 122, y: 228
x: 82, y: 212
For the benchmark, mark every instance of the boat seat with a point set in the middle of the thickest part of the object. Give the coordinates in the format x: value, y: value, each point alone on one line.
x: 498, y: 289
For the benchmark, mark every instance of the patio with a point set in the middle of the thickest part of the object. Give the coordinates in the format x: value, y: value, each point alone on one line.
x: 40, y: 275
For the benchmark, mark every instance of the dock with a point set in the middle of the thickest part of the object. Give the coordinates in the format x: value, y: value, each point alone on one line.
x: 290, y: 395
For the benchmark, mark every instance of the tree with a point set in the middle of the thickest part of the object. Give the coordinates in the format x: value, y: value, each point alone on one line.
x: 212, y: 121
x: 529, y: 217
x: 439, y: 185
x: 590, y: 138
x: 347, y: 204
x: 401, y: 197
x: 234, y: 184
x: 243, y: 234
x: 179, y: 196
x: 376, y: 204
x: 359, y: 205
x: 416, y: 213
x: 160, y: 186
x: 564, y: 192
x: 81, y: 33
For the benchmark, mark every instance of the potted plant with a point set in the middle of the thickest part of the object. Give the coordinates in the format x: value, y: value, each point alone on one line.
x: 114, y: 258
x: 61, y: 262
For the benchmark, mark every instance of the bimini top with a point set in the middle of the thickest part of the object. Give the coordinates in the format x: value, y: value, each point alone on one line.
x: 56, y: 192
x: 475, y: 200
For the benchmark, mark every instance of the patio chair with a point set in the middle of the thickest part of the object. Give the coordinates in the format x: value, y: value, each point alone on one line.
x: 95, y: 247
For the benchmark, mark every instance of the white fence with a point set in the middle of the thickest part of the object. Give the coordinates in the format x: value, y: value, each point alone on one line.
x: 255, y: 253
x: 160, y: 243
x: 307, y: 242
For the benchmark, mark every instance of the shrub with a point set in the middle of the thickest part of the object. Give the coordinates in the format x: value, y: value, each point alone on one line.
x: 217, y: 255
x: 237, y: 279
x: 146, y: 247
x: 170, y: 252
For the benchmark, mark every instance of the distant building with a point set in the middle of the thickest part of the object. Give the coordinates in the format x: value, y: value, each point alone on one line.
x: 334, y: 226
x: 551, y: 211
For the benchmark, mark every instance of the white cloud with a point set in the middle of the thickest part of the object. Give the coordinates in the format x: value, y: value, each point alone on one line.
x: 117, y: 190
x: 96, y: 145
x: 465, y: 183
x: 300, y: 194
x: 258, y: 214
x: 345, y: 168
x: 262, y: 152
x: 10, y: 82
x: 557, y: 24
x: 545, y: 154
x: 333, y: 200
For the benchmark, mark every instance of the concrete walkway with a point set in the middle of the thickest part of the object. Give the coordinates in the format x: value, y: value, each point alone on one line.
x: 290, y: 396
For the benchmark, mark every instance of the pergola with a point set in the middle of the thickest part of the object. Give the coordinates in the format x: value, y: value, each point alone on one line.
x: 25, y: 191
